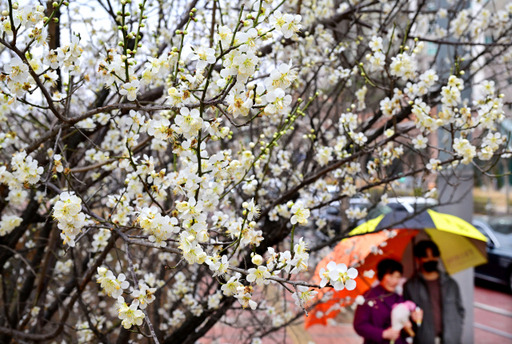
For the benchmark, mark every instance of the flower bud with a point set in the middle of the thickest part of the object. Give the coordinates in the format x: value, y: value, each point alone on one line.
x: 257, y: 259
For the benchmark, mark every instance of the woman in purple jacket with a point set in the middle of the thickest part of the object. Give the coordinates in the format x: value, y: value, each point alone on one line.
x: 372, y: 320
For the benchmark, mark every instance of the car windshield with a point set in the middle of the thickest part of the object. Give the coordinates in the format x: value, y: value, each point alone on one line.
x: 501, y: 225
x: 385, y: 209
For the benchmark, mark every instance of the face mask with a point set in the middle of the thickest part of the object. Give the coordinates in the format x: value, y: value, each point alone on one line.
x: 430, y: 266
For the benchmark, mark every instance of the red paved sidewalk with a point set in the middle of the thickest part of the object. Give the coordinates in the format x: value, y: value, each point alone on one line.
x: 487, y: 302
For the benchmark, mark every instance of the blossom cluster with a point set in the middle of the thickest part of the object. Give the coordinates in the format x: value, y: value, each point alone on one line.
x: 211, y: 151
x: 115, y: 287
x: 70, y: 218
x: 25, y: 172
x: 338, y: 276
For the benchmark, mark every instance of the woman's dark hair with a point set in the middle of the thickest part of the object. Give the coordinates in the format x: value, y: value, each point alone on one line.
x: 388, y: 266
x: 420, y: 249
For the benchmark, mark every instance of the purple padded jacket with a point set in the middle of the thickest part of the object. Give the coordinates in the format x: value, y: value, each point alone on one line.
x: 374, y: 315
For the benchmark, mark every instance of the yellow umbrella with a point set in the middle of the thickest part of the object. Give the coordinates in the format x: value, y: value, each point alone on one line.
x: 461, y: 245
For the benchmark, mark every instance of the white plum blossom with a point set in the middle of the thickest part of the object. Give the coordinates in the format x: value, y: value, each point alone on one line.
x: 188, y: 122
x: 160, y: 129
x: 8, y: 223
x: 58, y: 163
x: 159, y: 228
x: 224, y: 35
x: 324, y: 155
x: 244, y: 296
x: 300, y: 259
x: 112, y: 285
x: 25, y: 168
x: 303, y: 295
x: 214, y: 300
x: 341, y: 277
x: 464, y: 149
x: 356, y: 213
x: 369, y: 273
x: 130, y: 89
x: 252, y: 209
x: 324, y: 273
x: 230, y: 288
x: 403, y: 66
x: 281, y: 77
x: 143, y: 296
x: 493, y: 141
x: 259, y: 276
x: 359, y: 300
x: 361, y: 94
x: 204, y: 57
x: 434, y: 165
x: 359, y: 138
x: 376, y: 44
x: 287, y: 24
x: 219, y: 265
x: 130, y: 315
x: 277, y: 101
x: 67, y: 212
x: 239, y: 104
x: 420, y: 142
x: 376, y: 61
x: 300, y: 213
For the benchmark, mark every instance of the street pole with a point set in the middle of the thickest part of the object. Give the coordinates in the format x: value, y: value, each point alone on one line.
x: 455, y: 186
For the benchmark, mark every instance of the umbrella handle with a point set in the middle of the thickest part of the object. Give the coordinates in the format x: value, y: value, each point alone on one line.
x: 409, y: 331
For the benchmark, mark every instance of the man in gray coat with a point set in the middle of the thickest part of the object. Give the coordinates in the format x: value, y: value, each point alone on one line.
x: 438, y: 295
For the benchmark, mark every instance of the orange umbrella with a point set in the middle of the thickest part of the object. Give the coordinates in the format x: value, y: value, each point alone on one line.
x: 361, y: 252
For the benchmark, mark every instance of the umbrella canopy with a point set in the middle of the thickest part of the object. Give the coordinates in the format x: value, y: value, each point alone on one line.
x: 461, y: 246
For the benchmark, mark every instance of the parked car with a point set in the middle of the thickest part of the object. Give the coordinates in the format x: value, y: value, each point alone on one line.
x: 332, y: 215
x: 409, y: 204
x: 498, y: 231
